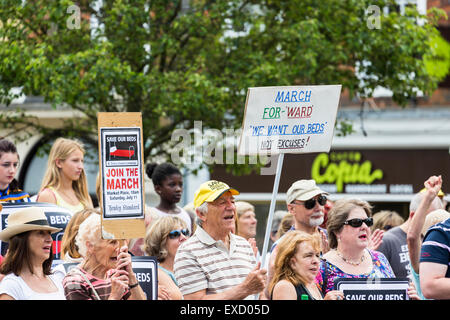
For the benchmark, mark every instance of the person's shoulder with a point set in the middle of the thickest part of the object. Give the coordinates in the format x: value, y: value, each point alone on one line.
x: 239, y: 240
x: 13, y: 286
x: 46, y: 195
x: 284, y: 285
x: 377, y: 255
x: 284, y: 290
x: 189, y: 246
x: 440, y: 232
x: 11, y: 278
x: 393, y: 234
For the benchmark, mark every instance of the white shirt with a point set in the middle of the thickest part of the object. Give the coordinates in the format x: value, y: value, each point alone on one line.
x: 17, y: 288
x: 182, y: 215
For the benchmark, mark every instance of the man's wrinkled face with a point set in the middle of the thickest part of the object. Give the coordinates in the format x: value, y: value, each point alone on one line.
x: 221, y: 214
x: 308, y: 217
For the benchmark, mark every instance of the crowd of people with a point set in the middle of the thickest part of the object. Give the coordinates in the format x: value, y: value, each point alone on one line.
x: 207, y: 249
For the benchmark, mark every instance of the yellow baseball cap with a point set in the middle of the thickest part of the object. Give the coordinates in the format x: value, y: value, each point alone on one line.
x: 210, y: 191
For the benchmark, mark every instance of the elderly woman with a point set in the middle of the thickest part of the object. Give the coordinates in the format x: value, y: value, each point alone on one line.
x: 162, y: 241
x: 105, y: 272
x: 296, y: 267
x: 246, y: 220
x: 348, y: 229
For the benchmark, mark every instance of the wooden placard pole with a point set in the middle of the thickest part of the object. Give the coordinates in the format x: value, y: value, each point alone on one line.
x: 122, y: 174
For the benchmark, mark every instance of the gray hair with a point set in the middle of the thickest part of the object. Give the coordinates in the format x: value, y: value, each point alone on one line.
x: 417, y: 199
x: 203, y: 208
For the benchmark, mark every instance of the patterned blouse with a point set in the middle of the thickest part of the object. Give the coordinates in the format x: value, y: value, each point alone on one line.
x: 381, y: 269
x: 76, y: 287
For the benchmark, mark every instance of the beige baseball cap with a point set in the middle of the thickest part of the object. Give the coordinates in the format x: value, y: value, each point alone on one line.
x: 303, y: 190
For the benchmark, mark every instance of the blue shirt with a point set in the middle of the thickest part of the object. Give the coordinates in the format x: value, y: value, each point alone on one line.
x: 436, y: 245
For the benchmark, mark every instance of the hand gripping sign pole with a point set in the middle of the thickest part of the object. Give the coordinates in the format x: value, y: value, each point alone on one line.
x: 292, y: 119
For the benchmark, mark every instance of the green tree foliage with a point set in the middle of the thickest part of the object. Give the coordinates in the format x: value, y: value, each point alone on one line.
x: 181, y: 61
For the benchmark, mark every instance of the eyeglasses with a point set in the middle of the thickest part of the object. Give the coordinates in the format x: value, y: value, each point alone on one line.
x: 311, y: 203
x: 356, y: 223
x: 174, y: 234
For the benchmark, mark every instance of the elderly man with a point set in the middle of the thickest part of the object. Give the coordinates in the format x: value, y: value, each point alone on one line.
x: 215, y: 263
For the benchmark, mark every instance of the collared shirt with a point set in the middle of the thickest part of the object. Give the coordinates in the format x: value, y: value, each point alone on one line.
x: 14, y: 196
x: 204, y: 263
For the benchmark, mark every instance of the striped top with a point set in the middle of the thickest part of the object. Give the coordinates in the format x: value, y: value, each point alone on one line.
x: 14, y: 196
x: 204, y: 263
x: 76, y: 287
x: 436, y: 245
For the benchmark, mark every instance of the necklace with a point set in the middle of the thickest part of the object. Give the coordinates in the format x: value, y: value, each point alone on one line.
x: 349, y: 261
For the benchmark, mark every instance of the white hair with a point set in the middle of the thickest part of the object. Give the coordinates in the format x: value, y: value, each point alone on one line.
x: 89, y: 230
x: 417, y: 199
x: 203, y: 208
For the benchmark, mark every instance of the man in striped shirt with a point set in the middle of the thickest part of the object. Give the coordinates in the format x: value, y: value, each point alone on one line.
x: 215, y: 263
x: 435, y: 262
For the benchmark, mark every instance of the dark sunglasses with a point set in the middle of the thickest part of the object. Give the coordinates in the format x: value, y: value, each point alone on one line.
x: 356, y: 223
x: 174, y: 234
x: 311, y: 203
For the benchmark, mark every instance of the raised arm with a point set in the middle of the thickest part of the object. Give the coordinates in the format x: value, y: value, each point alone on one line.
x: 432, y: 185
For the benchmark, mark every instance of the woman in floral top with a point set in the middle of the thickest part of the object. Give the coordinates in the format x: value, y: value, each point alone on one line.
x: 348, y: 229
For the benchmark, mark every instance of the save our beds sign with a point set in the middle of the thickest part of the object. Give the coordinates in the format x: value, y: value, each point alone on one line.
x: 373, y: 288
x: 290, y: 119
x: 121, y: 172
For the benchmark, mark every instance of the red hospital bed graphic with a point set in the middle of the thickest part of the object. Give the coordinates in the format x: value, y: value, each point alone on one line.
x: 123, y: 153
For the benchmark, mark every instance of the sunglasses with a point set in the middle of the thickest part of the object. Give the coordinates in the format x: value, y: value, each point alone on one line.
x: 356, y: 223
x: 311, y: 203
x: 174, y: 234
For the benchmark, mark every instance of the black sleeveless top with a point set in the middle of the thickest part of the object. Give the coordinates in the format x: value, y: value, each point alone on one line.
x: 302, y: 291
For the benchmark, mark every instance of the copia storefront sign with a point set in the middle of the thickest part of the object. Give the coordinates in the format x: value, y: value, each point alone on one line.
x: 362, y: 172
x: 344, y: 167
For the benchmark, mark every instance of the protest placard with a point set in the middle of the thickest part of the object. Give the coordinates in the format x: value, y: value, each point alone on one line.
x: 288, y: 119
x: 146, y: 270
x: 294, y: 119
x: 121, y: 170
x: 373, y: 289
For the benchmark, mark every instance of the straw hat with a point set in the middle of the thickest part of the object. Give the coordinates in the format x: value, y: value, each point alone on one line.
x: 27, y: 219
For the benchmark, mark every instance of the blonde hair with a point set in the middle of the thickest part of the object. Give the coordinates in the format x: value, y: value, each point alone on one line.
x: 285, y: 225
x: 61, y: 149
x: 156, y: 237
x: 434, y: 217
x: 339, y: 214
x: 287, y: 248
x: 68, y: 246
x: 386, y: 219
x: 241, y: 208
